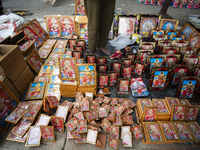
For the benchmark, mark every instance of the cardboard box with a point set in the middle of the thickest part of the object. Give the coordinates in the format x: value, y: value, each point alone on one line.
x: 15, y: 75
x: 22, y: 78
x: 10, y: 86
x: 26, y: 83
x: 2, y: 72
x: 14, y: 65
x: 10, y: 53
x: 7, y: 40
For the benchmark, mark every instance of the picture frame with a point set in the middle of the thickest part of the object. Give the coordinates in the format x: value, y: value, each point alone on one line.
x: 103, y: 80
x: 125, y: 129
x: 79, y: 61
x: 67, y: 103
x: 123, y: 86
x: 113, y: 143
x: 191, y: 112
x: 69, y: 136
x: 168, y: 24
x: 82, y: 30
x: 82, y: 126
x: 128, y: 111
x: 127, y: 62
x: 188, y: 51
x: 143, y: 55
x: 127, y: 119
x: 91, y: 136
x: 180, y: 128
x: 77, y: 54
x: 169, y: 132
x: 89, y: 116
x: 178, y: 112
x: 126, y: 72
x: 106, y: 125
x: 111, y: 116
x: 171, y: 50
x: 172, y: 60
x: 102, y: 112
x: 34, y: 61
x: 12, y: 137
x: 114, y: 132
x: 35, y: 90
x: 72, y: 124
x: 118, y: 109
x: 33, y: 137
x: 75, y: 134
x: 162, y: 106
x: 22, y: 127
x: 53, y: 31
x: 127, y: 139
x: 82, y: 43
x: 116, y: 67
x: 51, y: 41
x: 47, y: 133
x: 71, y: 43
x: 190, y: 60
x: 114, y: 101
x: 54, y: 56
x: 41, y: 79
x: 57, y: 123
x: 79, y: 116
x: 67, y: 26
x: 186, y: 30
x: 85, y: 106
x: 79, y: 8
x: 46, y: 71
x: 32, y: 112
x: 82, y: 140
x: 53, y: 101
x: 101, y: 60
x: 137, y: 132
x: 90, y: 58
x: 89, y: 69
x: 130, y: 56
x: 62, y: 112
x: 194, y: 39
x: 139, y: 69
x: 150, y: 113
x: 170, y: 101
x: 53, y: 89
x: 78, y: 48
x: 102, y: 68
x: 16, y: 115
x: 43, y: 120
x: 185, y: 102
x: 54, y: 79
x: 193, y: 127
x: 147, y: 45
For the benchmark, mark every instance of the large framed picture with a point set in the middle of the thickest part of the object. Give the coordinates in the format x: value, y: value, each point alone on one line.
x: 67, y: 26
x: 186, y: 30
x: 168, y: 24
x: 34, y: 137
x: 178, y: 112
x: 58, y: 123
x: 194, y: 39
x: 16, y: 115
x: 52, y: 24
x: 47, y: 133
x: 150, y: 113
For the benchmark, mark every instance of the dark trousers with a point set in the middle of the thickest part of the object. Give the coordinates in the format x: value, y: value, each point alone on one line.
x: 100, y: 15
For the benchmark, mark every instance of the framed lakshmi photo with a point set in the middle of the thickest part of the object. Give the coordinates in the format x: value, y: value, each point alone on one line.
x: 143, y: 55
x: 118, y: 109
x: 53, y: 89
x: 113, y: 77
x: 139, y: 68
x: 50, y: 41
x: 47, y: 133
x: 147, y: 24
x: 91, y: 136
x: 103, y: 80
x: 77, y: 54
x: 186, y: 30
x: 162, y: 106
x: 44, y: 53
x: 170, y: 101
x: 67, y: 26
x: 53, y: 101
x: 102, y: 68
x: 116, y: 66
x: 12, y: 137
x: 78, y: 48
x: 194, y: 39
x: 137, y: 132
x: 72, y: 124
x: 169, y: 132
x: 101, y: 60
x: 86, y: 74
x: 57, y: 123
x: 114, y: 101
x: 54, y: 56
x: 154, y: 133
x: 82, y: 140
x: 89, y: 116
x: 113, y: 143
x: 123, y: 86
x: 62, y: 112
x: 80, y: 8
x: 82, y: 126
x: 171, y: 60
x: 46, y: 70
x: 22, y: 127
x: 102, y: 112
x: 15, y: 116
x: 130, y: 56
x: 79, y: 116
x: 34, y: 61
x: 81, y: 43
x: 75, y: 134
x: 150, y: 113
x: 32, y: 112
x: 183, y: 132
x: 156, y: 62
x: 185, y: 102
x: 114, y: 132
x: 190, y: 60
x: 127, y: 119
x: 72, y: 42
x: 33, y: 137
x: 128, y: 111
x: 144, y: 102
x: 191, y: 112
x: 127, y: 62
x: 43, y: 120
x: 106, y: 125
x: 178, y: 112
x: 83, y: 31
x: 168, y: 24
x: 125, y: 104
x: 194, y: 128
x: 111, y: 116
x: 52, y: 24
x: 67, y: 68
x: 67, y: 103
x: 127, y: 139
x: 85, y: 106
x: 127, y: 72
x: 36, y: 90
x: 90, y: 58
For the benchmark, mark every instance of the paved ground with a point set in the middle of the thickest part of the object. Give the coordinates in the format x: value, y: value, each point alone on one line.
x: 66, y: 7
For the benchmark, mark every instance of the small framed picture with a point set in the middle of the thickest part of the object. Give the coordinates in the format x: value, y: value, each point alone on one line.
x: 85, y: 106
x: 127, y: 119
x: 194, y: 39
x: 34, y: 137
x: 68, y: 54
x: 72, y: 124
x: 125, y: 104
x: 114, y: 101
x: 139, y: 69
x: 123, y: 86
x: 168, y: 24
x: 67, y: 26
x: 128, y: 111
x: 103, y: 80
x: 178, y: 112
x: 170, y: 101
x: 62, y: 111
x: 79, y: 61
x: 91, y: 136
x: 102, y: 68
x: 194, y: 127
x: 118, y: 121
x: 52, y: 24
x: 44, y: 53
x: 124, y: 129
x: 101, y: 60
x: 126, y: 62
x: 82, y: 140
x: 162, y: 106
x: 53, y: 89
x: 150, y: 113
x: 41, y: 79
x: 34, y: 61
x: 36, y: 90
x: 130, y: 56
x: 82, y: 126
x: 113, y: 143
x: 113, y: 77
x: 76, y: 134
x: 118, y: 109
x: 47, y: 133
x: 32, y: 112
x: 78, y: 48
x: 186, y: 30
x: 77, y: 54
x: 43, y: 120
x: 46, y: 70
x: 191, y: 112
x: 184, y: 101
x: 106, y: 126
x: 127, y: 72
x: 79, y: 116
x: 116, y: 66
x: 89, y: 116
x: 72, y: 42
x: 127, y: 139
x: 95, y: 113
x: 57, y: 123
x: 90, y: 58
x: 114, y: 132
x: 50, y: 41
x: 53, y: 101
x: 137, y: 132
x: 12, y: 137
x: 16, y: 115
x: 102, y: 112
x: 111, y: 116
x: 82, y: 43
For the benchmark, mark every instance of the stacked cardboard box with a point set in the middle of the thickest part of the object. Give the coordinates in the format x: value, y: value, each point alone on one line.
x: 15, y: 68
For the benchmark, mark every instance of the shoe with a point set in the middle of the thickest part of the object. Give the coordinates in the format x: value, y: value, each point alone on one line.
x: 53, y: 2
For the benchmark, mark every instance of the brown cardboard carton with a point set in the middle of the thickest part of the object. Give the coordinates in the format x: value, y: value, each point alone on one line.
x: 26, y: 83
x: 14, y: 65
x: 10, y: 53
x: 15, y: 75
x: 22, y: 78
x: 10, y: 86
x: 2, y: 72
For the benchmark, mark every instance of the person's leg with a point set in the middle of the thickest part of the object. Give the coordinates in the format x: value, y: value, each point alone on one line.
x: 1, y: 7
x: 163, y: 11
x: 93, y: 11
x: 106, y: 20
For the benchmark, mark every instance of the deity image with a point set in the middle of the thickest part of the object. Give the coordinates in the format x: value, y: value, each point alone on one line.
x: 187, y: 88
x: 183, y: 133
x: 114, y: 133
x: 168, y: 131
x: 35, y: 62
x: 113, y: 77
x: 191, y: 113
x: 195, y: 130
x: 147, y: 24
x: 104, y: 80
x: 82, y: 126
x: 150, y: 114
x: 159, y: 78
x: 179, y: 72
x: 126, y: 25
x: 168, y: 25
x: 154, y: 133
x: 161, y: 107
x: 123, y: 86
x: 53, y: 27
x: 68, y: 69
x: 127, y: 72
x: 38, y: 29
x: 31, y: 35
x: 138, y: 69
x: 179, y: 113
x: 137, y: 132
x: 145, y: 103
x: 35, y: 90
x: 47, y: 133
x: 67, y: 26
